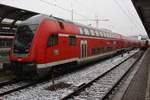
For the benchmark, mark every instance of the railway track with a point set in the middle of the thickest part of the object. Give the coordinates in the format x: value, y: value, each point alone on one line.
x: 11, y: 86
x: 101, y: 86
x: 39, y: 90
x: 7, y: 82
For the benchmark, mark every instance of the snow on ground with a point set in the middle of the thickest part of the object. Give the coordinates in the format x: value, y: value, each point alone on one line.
x: 102, y: 86
x: 40, y: 92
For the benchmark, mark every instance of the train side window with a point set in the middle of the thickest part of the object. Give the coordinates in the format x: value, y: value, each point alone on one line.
x: 97, y: 34
x: 109, y: 48
x: 72, y: 40
x: 92, y: 32
x: 100, y: 32
x: 106, y: 35
x: 81, y: 30
x: 89, y: 31
x: 53, y: 40
x: 109, y: 35
x: 103, y: 34
x: 96, y: 51
x: 100, y: 50
x: 86, y: 31
x: 93, y: 51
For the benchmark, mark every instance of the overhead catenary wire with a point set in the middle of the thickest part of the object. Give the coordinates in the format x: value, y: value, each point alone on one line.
x: 129, y: 11
x: 72, y: 11
x: 130, y: 19
x: 96, y: 19
x: 67, y: 10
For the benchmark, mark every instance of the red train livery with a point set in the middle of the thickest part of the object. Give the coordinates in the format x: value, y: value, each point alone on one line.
x: 42, y: 42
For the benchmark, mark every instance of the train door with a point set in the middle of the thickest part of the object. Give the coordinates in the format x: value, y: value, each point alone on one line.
x: 83, y: 48
x: 114, y: 44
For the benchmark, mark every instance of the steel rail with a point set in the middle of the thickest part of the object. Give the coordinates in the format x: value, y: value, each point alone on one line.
x: 22, y: 87
x: 85, y: 85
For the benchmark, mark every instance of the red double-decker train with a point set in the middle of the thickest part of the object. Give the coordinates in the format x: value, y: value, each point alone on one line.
x: 42, y: 42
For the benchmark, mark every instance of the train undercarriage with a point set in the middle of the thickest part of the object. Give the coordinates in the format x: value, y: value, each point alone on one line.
x: 30, y: 70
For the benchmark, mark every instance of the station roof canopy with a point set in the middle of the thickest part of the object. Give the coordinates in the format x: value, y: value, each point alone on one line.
x: 10, y: 17
x: 143, y: 10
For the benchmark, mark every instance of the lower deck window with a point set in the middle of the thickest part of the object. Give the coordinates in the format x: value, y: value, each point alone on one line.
x: 53, y: 40
x: 96, y: 51
x: 72, y: 40
x: 109, y: 48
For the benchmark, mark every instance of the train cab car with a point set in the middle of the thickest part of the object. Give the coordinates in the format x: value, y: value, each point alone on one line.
x: 39, y: 43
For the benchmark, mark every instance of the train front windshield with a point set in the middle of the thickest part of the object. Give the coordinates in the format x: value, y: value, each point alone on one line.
x: 24, y: 37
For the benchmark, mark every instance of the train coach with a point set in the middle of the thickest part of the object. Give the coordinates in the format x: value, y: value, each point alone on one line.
x: 42, y: 42
x: 6, y: 42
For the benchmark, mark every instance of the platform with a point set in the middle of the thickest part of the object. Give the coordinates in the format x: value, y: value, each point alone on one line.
x: 139, y: 88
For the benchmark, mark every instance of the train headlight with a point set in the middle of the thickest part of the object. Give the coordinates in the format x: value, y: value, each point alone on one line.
x: 19, y: 59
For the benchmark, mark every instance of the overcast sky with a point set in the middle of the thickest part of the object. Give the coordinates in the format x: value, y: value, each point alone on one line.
x: 117, y: 15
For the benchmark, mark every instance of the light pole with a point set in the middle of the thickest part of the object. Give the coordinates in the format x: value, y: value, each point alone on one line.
x: 97, y: 20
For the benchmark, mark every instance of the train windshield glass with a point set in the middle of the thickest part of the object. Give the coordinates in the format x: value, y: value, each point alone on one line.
x: 24, y: 36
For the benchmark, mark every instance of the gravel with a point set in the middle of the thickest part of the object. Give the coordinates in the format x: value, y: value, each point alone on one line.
x: 101, y: 87
x: 39, y: 92
x: 12, y: 86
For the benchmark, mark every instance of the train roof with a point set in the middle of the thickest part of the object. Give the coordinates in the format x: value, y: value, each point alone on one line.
x: 38, y: 18
x: 35, y: 19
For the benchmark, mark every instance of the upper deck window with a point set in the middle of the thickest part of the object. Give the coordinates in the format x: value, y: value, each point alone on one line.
x: 81, y: 30
x: 109, y: 35
x: 92, y: 32
x: 106, y: 34
x: 100, y: 32
x: 97, y: 34
x: 86, y: 31
x: 103, y: 34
